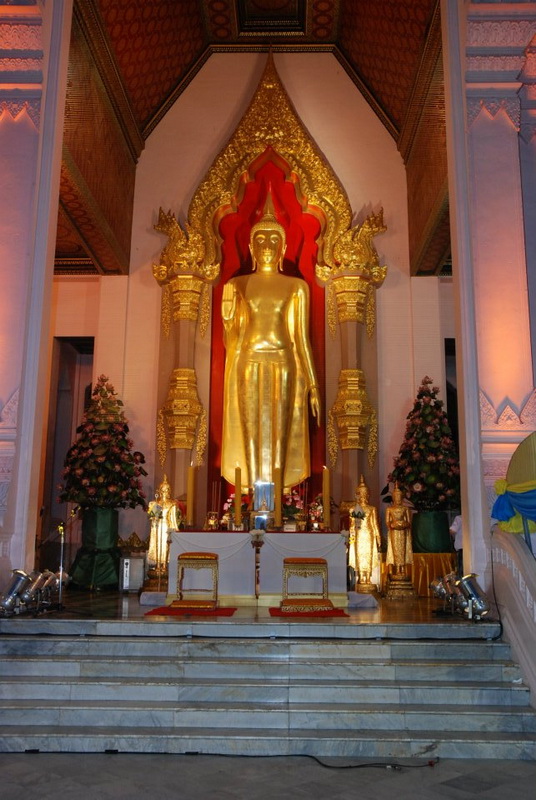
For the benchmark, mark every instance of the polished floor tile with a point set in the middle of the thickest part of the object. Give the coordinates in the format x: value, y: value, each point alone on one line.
x: 161, y: 777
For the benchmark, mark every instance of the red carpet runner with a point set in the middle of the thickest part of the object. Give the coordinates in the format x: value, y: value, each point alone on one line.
x: 168, y: 611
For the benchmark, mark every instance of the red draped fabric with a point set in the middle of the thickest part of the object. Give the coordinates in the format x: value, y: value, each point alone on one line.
x: 267, y: 173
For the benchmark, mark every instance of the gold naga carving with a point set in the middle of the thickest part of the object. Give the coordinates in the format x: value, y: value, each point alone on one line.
x: 183, y: 271
x: 357, y: 275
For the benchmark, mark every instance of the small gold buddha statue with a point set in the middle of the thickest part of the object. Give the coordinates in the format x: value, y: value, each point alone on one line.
x: 399, y: 548
x: 165, y: 517
x: 367, y: 540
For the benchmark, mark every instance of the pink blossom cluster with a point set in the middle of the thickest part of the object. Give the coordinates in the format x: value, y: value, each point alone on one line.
x: 100, y: 469
x: 426, y: 467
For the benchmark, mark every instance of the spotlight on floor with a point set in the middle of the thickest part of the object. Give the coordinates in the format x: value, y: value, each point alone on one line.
x: 477, y: 603
x: 10, y: 600
x: 29, y: 592
x: 463, y: 594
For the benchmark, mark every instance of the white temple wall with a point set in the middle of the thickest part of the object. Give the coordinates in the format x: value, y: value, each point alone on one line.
x: 503, y: 331
x: 429, y: 349
x: 178, y: 154
x: 30, y: 149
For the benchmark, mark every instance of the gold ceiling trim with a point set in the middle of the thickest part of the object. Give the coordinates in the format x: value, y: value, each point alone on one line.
x: 258, y: 130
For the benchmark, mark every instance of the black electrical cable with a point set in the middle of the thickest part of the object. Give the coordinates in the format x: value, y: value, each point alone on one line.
x: 375, y: 764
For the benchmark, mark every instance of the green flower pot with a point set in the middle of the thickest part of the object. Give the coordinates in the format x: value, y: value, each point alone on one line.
x: 430, y: 532
x: 96, y: 565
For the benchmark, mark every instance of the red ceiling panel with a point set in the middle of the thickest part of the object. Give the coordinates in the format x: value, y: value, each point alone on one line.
x: 154, y: 43
x: 383, y: 40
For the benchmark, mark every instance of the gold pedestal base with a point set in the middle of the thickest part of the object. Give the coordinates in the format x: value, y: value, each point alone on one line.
x: 306, y: 604
x: 400, y: 588
x: 204, y: 604
x: 155, y: 582
x: 366, y: 588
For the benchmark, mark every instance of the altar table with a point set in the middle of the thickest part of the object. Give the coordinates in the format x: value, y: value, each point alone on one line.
x: 236, y: 557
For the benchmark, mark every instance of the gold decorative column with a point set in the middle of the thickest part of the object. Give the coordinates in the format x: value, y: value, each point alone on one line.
x: 185, y: 279
x: 182, y: 409
x: 352, y: 409
x: 351, y: 303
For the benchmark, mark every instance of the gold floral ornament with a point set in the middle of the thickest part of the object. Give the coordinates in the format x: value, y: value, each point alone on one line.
x: 358, y: 273
x: 271, y: 122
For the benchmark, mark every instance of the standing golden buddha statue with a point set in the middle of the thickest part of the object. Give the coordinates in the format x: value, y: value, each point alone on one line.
x: 399, y: 548
x: 165, y: 517
x: 367, y: 540
x: 269, y: 377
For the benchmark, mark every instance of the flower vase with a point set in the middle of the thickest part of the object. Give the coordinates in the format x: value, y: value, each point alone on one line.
x: 430, y: 532
x: 96, y: 565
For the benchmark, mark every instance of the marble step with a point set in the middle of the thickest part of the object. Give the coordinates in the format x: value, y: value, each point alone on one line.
x: 312, y: 716
x: 237, y: 628
x: 235, y: 741
x: 155, y: 647
x: 204, y: 667
x: 257, y: 691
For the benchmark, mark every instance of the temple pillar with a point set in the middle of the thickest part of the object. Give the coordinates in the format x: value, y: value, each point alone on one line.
x: 31, y: 125
x: 182, y: 419
x: 352, y: 419
x: 484, y: 54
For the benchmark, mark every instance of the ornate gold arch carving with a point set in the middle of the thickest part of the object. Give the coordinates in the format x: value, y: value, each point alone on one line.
x: 284, y: 132
x: 346, y: 259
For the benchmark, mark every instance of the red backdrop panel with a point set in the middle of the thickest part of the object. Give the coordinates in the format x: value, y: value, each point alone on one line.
x: 268, y: 173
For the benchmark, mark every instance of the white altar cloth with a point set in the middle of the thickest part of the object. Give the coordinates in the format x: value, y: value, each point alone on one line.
x: 277, y: 546
x: 237, y: 564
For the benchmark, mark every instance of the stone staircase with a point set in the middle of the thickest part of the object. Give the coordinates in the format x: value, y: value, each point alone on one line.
x: 260, y: 695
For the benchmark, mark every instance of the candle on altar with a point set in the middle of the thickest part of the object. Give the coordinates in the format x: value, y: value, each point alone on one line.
x: 278, y: 519
x: 190, y: 496
x: 326, y: 499
x: 238, y: 496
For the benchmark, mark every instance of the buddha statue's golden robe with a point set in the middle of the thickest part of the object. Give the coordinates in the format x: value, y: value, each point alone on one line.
x: 399, y: 547
x: 165, y: 517
x: 269, y: 375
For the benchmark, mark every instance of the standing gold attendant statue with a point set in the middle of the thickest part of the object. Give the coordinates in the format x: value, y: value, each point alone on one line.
x: 398, y: 521
x: 165, y: 517
x: 269, y: 369
x: 399, y: 549
x: 367, y: 540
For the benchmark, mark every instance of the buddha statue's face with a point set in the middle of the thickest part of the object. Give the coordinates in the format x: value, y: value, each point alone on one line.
x: 267, y: 247
x: 362, y: 495
x: 397, y: 497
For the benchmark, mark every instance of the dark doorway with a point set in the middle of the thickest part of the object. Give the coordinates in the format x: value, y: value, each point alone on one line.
x: 70, y: 391
x: 452, y: 388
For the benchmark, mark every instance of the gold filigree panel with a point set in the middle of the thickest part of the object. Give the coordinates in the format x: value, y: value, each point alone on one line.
x: 259, y: 129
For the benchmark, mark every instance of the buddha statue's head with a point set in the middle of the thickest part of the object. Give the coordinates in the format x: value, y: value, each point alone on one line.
x: 362, y: 492
x: 267, y: 241
x: 397, y: 495
x: 165, y: 489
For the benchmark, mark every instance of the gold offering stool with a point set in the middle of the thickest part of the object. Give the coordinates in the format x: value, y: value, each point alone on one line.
x: 197, y: 561
x: 304, y: 568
